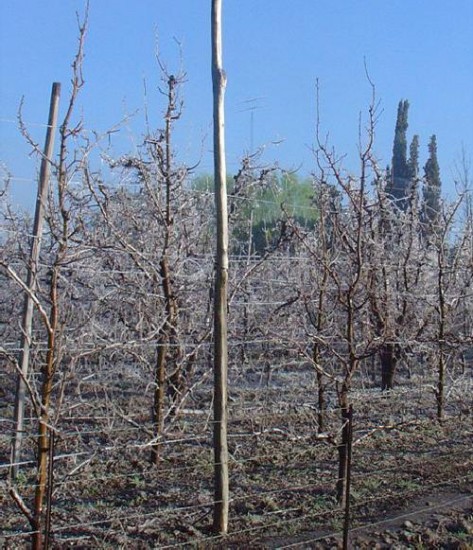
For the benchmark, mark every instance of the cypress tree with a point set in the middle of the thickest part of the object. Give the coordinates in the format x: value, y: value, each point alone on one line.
x: 414, y: 158
x: 399, y: 182
x: 398, y: 185
x: 431, y: 192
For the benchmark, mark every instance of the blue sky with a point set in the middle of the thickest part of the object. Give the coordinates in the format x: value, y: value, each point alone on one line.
x: 274, y: 50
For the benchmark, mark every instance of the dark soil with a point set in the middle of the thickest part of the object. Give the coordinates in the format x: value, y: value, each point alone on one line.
x: 442, y: 520
x: 412, y: 477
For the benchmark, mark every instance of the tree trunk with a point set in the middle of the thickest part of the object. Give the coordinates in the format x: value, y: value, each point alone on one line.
x: 320, y: 390
x: 343, y: 455
x: 441, y: 333
x: 170, y: 306
x: 440, y: 385
x: 163, y: 345
x: 43, y: 436
x: 159, y: 396
x: 388, y: 358
x: 321, y: 401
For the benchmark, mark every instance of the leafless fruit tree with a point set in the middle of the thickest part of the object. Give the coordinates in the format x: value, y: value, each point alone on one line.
x: 51, y: 296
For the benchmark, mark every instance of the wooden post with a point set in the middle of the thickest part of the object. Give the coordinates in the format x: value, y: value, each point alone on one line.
x: 221, y: 491
x: 31, y: 279
x: 346, y: 521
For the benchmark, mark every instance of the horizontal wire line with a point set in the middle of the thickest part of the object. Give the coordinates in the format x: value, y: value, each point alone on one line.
x: 380, y: 522
x: 120, y: 448
x: 260, y: 457
x: 307, y: 408
x: 292, y: 520
x: 249, y: 495
x: 180, y: 509
x: 97, y: 347
x: 16, y: 121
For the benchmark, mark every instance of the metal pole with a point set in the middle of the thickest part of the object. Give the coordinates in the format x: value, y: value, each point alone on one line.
x: 25, y: 342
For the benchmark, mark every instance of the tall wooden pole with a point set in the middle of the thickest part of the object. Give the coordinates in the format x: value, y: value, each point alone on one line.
x: 221, y: 492
x: 25, y: 343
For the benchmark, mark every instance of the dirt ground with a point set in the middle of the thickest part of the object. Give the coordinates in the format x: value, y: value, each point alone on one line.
x: 442, y: 520
x: 412, y: 478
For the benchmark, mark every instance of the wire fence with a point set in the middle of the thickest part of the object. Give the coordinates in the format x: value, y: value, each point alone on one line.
x: 283, y: 469
x: 104, y: 488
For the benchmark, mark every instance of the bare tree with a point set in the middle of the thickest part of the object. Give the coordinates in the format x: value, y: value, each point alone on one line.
x: 397, y: 275
x: 154, y: 236
x: 32, y: 277
x: 349, y: 271
x: 448, y: 253
x: 49, y: 296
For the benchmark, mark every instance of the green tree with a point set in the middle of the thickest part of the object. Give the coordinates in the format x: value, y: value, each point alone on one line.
x: 430, y: 208
x: 287, y: 196
x: 414, y: 158
x: 259, y: 201
x: 398, y: 187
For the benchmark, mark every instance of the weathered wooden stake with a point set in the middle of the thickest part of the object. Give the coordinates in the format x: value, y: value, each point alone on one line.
x: 31, y: 280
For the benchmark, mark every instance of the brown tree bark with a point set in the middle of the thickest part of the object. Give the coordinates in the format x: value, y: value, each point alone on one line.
x: 342, y: 447
x: 388, y: 358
